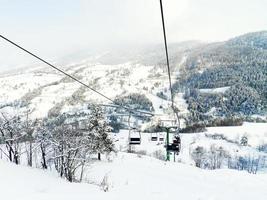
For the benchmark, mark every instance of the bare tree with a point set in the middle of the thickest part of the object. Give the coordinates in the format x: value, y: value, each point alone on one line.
x: 29, y: 127
x: 12, y: 133
x: 198, y: 156
x: 73, y: 141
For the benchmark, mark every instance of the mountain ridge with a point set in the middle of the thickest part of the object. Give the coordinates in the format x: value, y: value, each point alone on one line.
x: 195, y: 66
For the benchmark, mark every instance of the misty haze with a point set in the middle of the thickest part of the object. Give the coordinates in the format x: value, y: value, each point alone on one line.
x: 136, y: 99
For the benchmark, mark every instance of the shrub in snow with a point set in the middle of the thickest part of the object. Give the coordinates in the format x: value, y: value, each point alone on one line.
x: 250, y: 163
x: 262, y: 147
x: 141, y: 152
x: 193, y: 128
x: 216, y: 157
x: 159, y: 154
x: 212, y: 158
x: 226, y: 121
x: 198, y: 155
x: 244, y: 141
x: 105, y: 185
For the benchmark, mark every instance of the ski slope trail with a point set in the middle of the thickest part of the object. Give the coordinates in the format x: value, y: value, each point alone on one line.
x: 133, y: 177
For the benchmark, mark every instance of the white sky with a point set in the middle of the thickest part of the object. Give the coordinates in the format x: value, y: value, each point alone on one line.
x: 55, y: 28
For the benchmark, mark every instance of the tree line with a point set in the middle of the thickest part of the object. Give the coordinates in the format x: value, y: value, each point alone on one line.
x: 66, y: 143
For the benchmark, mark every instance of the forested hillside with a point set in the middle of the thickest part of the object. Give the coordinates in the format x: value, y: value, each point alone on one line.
x: 217, y: 80
x: 238, y: 67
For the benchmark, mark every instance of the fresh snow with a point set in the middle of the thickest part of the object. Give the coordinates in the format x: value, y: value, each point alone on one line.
x: 111, y: 80
x: 256, y: 132
x: 14, y: 87
x: 129, y: 176
x: 215, y: 90
x: 132, y: 177
x: 50, y: 97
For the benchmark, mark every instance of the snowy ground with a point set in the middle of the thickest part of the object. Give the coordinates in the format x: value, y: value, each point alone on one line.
x: 14, y: 87
x: 132, y: 177
x: 215, y: 90
x: 255, y: 132
x: 111, y: 80
x: 136, y: 176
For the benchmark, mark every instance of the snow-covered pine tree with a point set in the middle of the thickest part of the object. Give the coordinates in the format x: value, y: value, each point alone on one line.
x: 99, y: 129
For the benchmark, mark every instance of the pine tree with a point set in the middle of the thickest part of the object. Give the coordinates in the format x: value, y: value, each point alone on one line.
x: 99, y: 129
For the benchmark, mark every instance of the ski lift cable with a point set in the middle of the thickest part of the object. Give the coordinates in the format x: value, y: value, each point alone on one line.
x: 72, y: 77
x: 167, y: 62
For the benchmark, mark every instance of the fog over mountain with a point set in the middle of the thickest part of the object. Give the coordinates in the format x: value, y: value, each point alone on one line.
x: 57, y: 29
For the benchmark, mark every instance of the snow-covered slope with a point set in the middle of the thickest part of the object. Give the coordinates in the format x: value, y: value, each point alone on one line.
x: 214, y: 90
x: 43, y: 90
x: 132, y: 177
x: 225, y: 138
x: 14, y: 87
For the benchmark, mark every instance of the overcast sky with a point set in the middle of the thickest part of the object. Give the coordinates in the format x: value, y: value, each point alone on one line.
x: 54, y: 28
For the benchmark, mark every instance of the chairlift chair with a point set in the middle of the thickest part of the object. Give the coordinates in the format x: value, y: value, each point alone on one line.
x: 154, y: 137
x: 161, y: 137
x: 175, y: 146
x: 134, y: 137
